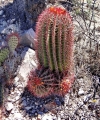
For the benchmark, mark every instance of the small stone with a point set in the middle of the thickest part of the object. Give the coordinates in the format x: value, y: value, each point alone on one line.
x: 4, y: 16
x: 17, y: 98
x: 17, y: 116
x: 28, y: 108
x: 4, y: 23
x: 16, y: 79
x: 87, y: 97
x: 98, y: 28
x: 24, y: 103
x: 1, y: 12
x: 9, y: 106
x: 81, y: 91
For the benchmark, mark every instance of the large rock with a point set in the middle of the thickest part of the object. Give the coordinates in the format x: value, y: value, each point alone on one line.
x: 29, y: 62
x: 28, y: 38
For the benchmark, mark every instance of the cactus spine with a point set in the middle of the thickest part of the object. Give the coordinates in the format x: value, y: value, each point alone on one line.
x: 55, y: 39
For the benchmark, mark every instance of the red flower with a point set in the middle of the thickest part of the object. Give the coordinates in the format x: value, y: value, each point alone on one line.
x: 64, y: 86
x: 57, y: 10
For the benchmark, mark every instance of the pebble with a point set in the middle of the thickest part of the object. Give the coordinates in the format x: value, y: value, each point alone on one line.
x: 87, y: 97
x: 28, y: 108
x: 17, y: 116
x: 16, y: 79
x: 1, y: 12
x: 24, y: 103
x: 4, y: 23
x: 98, y: 28
x: 81, y: 91
x: 17, y: 98
x: 9, y: 106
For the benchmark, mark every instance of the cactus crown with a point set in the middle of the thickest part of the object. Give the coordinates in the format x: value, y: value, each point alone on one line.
x: 55, y: 39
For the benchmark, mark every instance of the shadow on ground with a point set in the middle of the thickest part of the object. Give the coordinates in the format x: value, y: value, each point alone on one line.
x: 34, y: 106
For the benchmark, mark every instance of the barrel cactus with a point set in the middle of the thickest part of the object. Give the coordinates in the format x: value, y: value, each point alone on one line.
x: 4, y: 53
x: 40, y: 82
x: 55, y: 39
x: 54, y: 49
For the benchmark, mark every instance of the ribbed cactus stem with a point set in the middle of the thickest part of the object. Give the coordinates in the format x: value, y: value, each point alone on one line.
x: 55, y: 39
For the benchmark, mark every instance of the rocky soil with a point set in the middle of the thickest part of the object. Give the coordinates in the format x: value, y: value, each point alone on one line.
x: 82, y: 102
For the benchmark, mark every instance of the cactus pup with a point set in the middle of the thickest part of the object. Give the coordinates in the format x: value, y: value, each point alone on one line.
x: 40, y: 82
x: 55, y: 39
x: 63, y: 86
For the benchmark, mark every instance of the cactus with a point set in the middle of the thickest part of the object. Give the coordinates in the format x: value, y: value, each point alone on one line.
x: 40, y: 82
x: 55, y: 39
x: 63, y: 86
x: 13, y: 40
x: 4, y: 52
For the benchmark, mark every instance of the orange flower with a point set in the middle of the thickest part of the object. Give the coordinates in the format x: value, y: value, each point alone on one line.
x: 57, y: 10
x: 65, y: 86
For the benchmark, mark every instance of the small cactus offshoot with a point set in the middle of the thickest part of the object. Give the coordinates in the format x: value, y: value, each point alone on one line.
x: 40, y: 83
x: 4, y: 53
x: 63, y: 86
x: 13, y: 40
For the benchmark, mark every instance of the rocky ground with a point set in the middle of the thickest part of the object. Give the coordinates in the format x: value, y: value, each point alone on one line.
x: 82, y: 102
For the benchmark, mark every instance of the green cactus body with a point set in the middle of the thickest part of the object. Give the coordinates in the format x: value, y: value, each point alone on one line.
x: 4, y: 52
x: 55, y: 39
x: 13, y: 40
